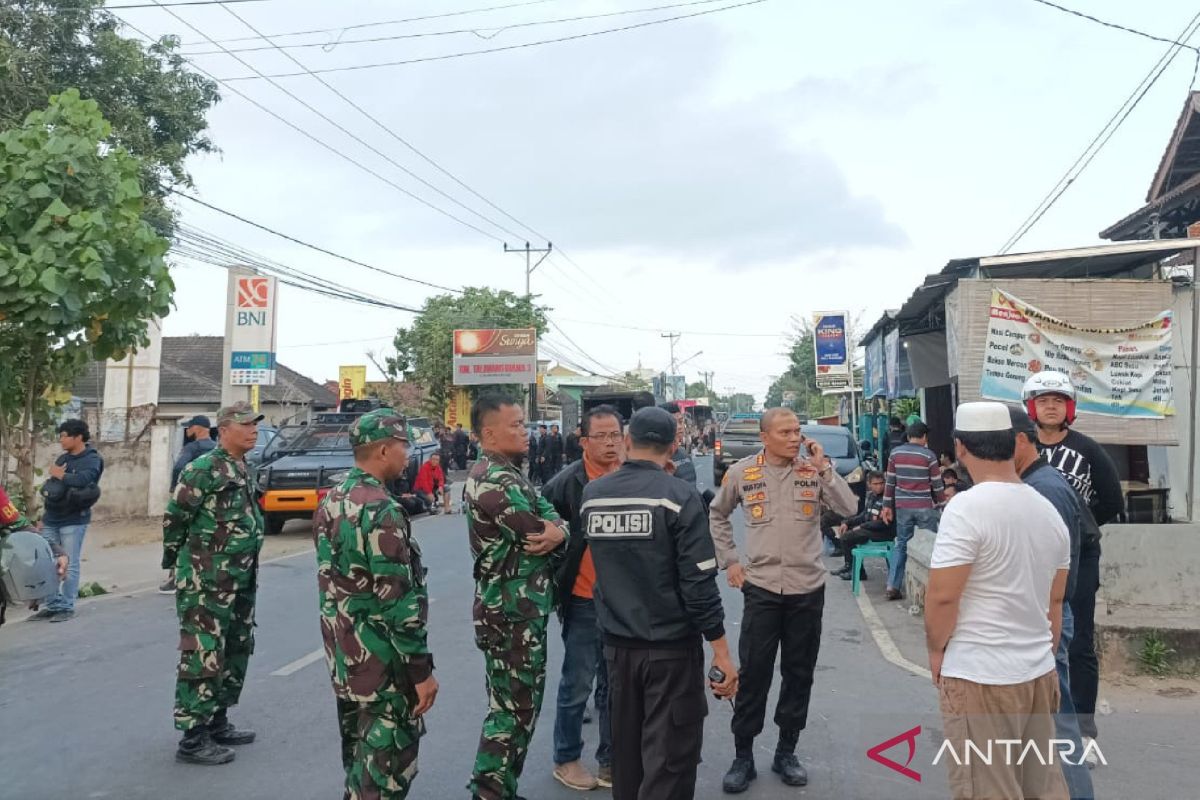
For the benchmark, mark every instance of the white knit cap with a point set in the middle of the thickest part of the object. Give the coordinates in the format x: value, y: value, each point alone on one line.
x: 982, y: 418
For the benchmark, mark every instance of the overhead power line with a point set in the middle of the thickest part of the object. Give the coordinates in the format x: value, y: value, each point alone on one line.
x: 478, y: 31
x: 380, y: 23
x: 1117, y: 26
x: 573, y: 37
x: 1102, y: 138
x: 311, y: 246
x: 360, y: 140
x: 737, y: 334
x: 181, y: 3
x: 390, y: 132
x: 325, y: 145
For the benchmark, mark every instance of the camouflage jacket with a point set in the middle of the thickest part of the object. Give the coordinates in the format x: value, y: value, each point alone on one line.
x: 374, y: 603
x: 502, y: 509
x: 213, y: 528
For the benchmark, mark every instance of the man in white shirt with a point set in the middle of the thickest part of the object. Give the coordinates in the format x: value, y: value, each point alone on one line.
x: 993, y: 613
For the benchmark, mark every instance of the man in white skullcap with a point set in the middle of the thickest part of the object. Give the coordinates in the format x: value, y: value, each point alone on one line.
x: 993, y: 613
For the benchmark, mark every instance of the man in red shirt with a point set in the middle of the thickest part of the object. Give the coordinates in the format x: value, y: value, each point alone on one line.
x: 430, y: 484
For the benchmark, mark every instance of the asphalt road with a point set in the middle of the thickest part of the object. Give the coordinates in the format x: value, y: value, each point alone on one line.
x: 85, y: 706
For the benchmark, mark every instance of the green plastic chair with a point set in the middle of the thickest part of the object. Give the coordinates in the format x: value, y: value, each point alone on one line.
x: 863, y: 551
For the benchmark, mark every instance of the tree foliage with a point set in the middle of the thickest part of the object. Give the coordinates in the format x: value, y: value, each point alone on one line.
x: 425, y: 351
x: 81, y: 273
x: 156, y: 107
x: 697, y: 389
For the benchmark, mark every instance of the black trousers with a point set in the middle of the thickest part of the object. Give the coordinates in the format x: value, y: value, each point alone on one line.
x: 657, y: 707
x: 1084, y: 665
x: 863, y: 535
x: 790, y: 623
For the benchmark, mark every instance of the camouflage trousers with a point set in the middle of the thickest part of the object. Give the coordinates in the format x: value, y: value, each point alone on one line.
x: 216, y: 638
x: 514, y: 657
x: 379, y: 748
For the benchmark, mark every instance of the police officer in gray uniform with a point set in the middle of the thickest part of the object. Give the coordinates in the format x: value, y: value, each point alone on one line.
x: 782, y: 490
x: 656, y: 599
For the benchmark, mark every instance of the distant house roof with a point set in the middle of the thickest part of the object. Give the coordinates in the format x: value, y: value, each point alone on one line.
x: 192, y: 372
x: 1174, y: 196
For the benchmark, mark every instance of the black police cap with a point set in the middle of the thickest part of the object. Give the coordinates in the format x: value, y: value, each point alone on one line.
x: 652, y: 426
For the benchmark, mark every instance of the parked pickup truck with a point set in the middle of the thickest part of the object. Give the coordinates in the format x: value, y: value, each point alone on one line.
x: 739, y: 439
x: 303, y: 462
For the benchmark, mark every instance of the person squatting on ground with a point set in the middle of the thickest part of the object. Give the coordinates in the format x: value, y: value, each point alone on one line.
x: 912, y: 493
x: 656, y: 599
x: 516, y: 539
x: 783, y: 583
x: 1050, y: 402
x: 71, y: 490
x: 993, y: 612
x: 603, y: 446
x: 212, y: 535
x: 374, y: 612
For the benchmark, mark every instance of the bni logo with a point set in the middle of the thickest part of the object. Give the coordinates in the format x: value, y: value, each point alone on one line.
x: 252, y: 292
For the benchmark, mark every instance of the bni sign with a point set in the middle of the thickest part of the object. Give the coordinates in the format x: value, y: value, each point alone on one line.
x: 495, y: 355
x: 252, y: 360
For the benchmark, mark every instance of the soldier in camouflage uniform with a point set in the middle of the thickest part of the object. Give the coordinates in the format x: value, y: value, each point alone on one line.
x: 516, y: 540
x: 374, y: 609
x: 212, y: 534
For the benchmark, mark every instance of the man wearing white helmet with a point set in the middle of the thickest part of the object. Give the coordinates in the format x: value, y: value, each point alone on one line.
x: 1050, y: 401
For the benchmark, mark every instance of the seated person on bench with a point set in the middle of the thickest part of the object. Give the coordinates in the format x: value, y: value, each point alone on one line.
x: 409, y: 500
x: 866, y: 527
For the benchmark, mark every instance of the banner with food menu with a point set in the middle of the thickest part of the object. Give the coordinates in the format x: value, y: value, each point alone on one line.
x: 1119, y: 371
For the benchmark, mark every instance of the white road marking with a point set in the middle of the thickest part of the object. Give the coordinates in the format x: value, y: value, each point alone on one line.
x: 299, y: 664
x: 884, y: 639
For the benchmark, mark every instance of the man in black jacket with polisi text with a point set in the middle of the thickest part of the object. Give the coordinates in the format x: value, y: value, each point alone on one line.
x: 656, y: 597
x: 1050, y: 402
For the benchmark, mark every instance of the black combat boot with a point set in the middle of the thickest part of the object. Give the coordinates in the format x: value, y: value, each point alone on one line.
x: 223, y: 731
x: 786, y: 765
x: 742, y: 771
x: 198, y: 747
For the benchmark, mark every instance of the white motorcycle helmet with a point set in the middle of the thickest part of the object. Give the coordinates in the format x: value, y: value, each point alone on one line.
x: 1048, y: 382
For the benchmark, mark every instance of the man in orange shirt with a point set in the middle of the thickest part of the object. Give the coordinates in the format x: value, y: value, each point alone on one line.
x: 583, y: 657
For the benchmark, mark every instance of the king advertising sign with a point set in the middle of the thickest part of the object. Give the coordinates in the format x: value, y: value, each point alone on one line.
x: 252, y: 360
x: 495, y: 355
x: 831, y: 351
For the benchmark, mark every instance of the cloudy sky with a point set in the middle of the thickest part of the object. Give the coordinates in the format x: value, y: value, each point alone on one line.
x: 716, y: 175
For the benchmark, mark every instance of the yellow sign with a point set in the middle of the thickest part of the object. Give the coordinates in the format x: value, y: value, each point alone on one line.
x: 458, y: 408
x: 352, y: 383
x: 255, y: 398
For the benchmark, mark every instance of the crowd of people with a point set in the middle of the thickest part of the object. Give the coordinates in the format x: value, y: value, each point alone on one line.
x: 622, y: 546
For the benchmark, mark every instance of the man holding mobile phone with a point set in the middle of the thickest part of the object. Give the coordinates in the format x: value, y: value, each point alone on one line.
x: 782, y: 491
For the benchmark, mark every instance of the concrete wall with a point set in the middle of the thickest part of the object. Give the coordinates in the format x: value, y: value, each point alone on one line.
x: 123, y: 487
x: 1151, y: 565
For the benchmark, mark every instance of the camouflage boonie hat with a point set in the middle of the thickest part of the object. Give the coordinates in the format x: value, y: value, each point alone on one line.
x: 377, y: 425
x: 239, y: 414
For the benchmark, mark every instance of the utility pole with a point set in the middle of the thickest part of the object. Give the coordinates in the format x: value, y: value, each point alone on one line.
x: 674, y: 337
x: 708, y: 376
x: 531, y: 400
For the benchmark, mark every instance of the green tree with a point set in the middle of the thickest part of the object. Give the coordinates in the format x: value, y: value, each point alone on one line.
x: 81, y: 273
x: 697, y: 389
x: 155, y: 105
x: 425, y: 351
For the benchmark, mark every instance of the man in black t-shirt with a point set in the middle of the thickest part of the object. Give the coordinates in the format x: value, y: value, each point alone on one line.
x: 1050, y: 401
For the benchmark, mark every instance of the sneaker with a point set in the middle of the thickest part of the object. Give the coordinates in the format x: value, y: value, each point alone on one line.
x: 198, y: 747
x: 604, y: 776
x: 167, y: 586
x: 44, y: 614
x: 62, y: 616
x: 1090, y: 757
x: 844, y: 574
x: 893, y: 594
x: 741, y: 772
x: 575, y: 776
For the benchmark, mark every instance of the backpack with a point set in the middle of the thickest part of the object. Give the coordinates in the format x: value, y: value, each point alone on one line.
x: 27, y: 568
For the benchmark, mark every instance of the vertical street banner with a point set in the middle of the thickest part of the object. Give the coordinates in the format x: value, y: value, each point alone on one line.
x: 252, y: 360
x: 495, y: 355
x: 831, y: 350
x: 352, y: 382
x: 891, y: 362
x: 873, y: 382
x: 1116, y: 372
